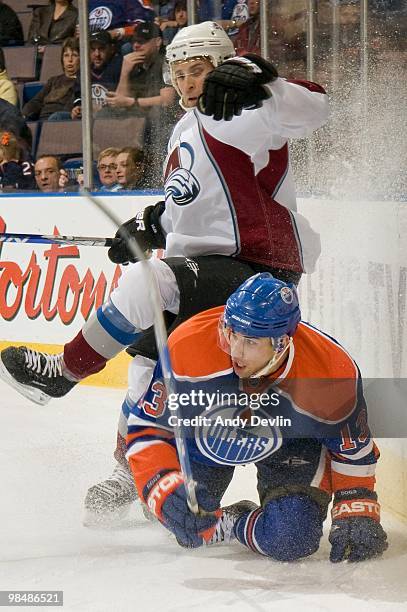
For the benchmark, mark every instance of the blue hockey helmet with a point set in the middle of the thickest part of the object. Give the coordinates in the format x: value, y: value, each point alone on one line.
x: 263, y: 306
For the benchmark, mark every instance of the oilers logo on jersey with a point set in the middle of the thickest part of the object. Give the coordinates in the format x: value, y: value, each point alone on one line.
x: 98, y: 96
x: 230, y: 439
x: 181, y: 185
x: 100, y: 19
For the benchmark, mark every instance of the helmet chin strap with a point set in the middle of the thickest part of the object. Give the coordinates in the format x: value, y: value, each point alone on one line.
x: 276, y: 359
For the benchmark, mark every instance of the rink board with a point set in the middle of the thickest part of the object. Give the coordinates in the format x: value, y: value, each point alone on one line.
x: 357, y: 293
x: 48, y: 292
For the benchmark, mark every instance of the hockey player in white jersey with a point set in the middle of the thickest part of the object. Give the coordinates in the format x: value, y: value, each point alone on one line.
x: 229, y: 194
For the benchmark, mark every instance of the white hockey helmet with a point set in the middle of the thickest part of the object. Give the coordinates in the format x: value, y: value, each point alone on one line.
x: 207, y: 39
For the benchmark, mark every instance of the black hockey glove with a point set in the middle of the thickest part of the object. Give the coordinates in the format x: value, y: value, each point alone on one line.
x: 236, y: 84
x: 145, y: 228
x: 356, y: 533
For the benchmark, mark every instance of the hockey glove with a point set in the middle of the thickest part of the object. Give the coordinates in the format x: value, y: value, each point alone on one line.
x: 236, y: 84
x: 145, y: 228
x: 356, y: 533
x: 167, y: 500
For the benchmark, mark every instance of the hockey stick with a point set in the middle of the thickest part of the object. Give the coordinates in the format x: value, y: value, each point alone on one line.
x: 44, y: 239
x: 161, y: 340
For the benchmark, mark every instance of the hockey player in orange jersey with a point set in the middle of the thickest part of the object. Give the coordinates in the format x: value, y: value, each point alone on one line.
x: 230, y: 211
x: 294, y: 407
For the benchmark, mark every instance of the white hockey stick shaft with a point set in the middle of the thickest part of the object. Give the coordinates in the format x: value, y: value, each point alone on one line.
x: 161, y: 340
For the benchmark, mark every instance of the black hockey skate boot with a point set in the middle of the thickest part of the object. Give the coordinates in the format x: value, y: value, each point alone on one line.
x: 37, y: 376
x: 224, y: 532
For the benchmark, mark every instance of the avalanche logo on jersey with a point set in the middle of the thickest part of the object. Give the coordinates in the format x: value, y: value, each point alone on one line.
x: 180, y: 184
x: 226, y: 442
x: 100, y: 19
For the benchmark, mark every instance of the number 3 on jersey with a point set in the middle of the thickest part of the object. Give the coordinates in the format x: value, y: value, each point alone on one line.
x: 156, y: 407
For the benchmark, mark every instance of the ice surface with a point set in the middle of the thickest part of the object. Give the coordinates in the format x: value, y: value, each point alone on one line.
x: 50, y: 455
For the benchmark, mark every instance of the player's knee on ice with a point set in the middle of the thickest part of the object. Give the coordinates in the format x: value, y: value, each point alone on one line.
x: 287, y: 528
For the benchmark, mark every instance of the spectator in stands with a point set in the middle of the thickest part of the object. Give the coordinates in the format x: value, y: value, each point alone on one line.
x: 53, y: 23
x: 105, y: 69
x: 106, y: 169
x: 234, y: 14
x: 50, y: 175
x: 165, y: 10
x: 11, y: 30
x: 142, y: 93
x: 12, y: 120
x: 247, y: 40
x: 7, y: 89
x: 141, y: 84
x: 119, y: 18
x: 130, y: 169
x: 231, y: 9
x: 15, y: 172
x: 55, y: 100
x: 170, y: 25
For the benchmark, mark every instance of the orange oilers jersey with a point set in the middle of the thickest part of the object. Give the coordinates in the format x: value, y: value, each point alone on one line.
x: 316, y: 394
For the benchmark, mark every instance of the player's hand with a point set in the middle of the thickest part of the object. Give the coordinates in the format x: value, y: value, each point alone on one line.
x: 360, y: 537
x: 236, y: 84
x: 144, y: 228
x: 168, y: 501
x: 120, y: 251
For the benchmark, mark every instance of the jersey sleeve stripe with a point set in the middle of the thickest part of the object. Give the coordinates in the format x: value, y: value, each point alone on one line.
x: 138, y: 432
x: 136, y: 421
x: 354, y: 470
x: 134, y: 448
x: 320, y: 471
x: 148, y: 438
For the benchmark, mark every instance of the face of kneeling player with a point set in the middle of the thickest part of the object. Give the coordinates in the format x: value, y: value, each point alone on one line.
x: 249, y: 355
x: 189, y: 78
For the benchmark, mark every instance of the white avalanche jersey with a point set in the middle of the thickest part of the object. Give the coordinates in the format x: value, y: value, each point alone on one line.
x: 228, y: 184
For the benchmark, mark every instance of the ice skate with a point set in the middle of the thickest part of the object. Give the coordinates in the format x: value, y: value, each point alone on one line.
x: 37, y: 376
x: 110, y: 501
x: 224, y: 528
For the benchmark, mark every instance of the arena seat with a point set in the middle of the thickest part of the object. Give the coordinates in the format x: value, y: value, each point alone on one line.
x: 61, y: 138
x: 22, y: 6
x: 21, y: 62
x: 25, y: 19
x: 118, y: 133
x: 51, y: 62
x: 35, y: 129
x: 30, y: 89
